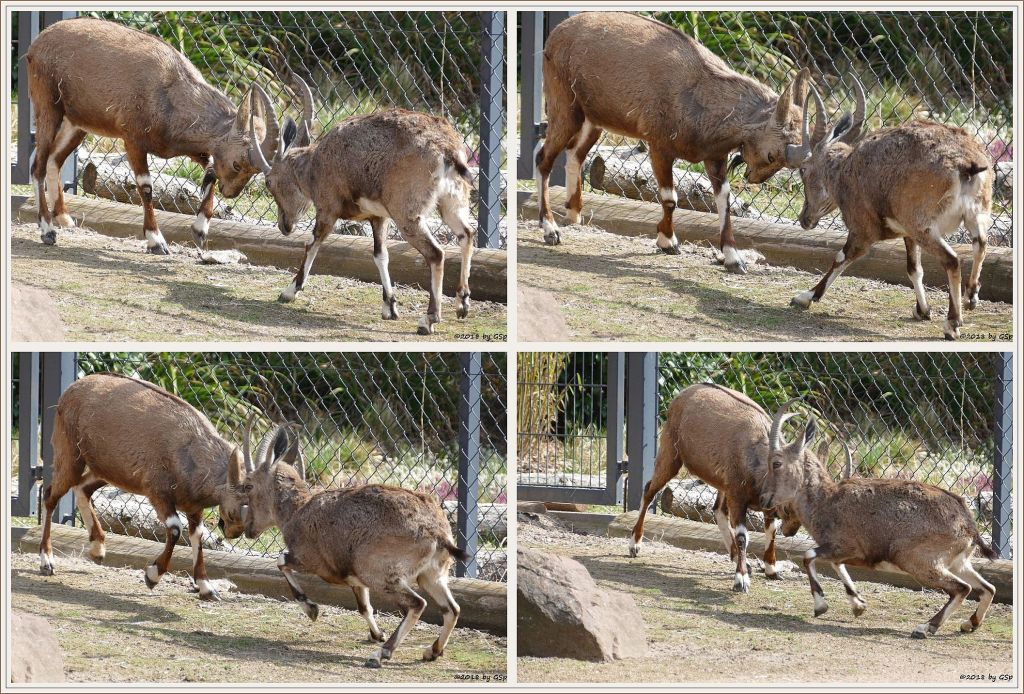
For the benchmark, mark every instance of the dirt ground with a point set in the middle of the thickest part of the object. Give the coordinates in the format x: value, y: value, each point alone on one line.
x: 699, y: 630
x: 613, y: 287
x: 108, y: 288
x: 113, y: 629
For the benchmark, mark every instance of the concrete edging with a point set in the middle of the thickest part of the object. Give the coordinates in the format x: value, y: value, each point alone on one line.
x: 783, y: 244
x: 347, y: 256
x: 483, y: 603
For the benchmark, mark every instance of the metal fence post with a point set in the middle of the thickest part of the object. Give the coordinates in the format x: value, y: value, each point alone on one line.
x: 492, y: 127
x: 470, y: 393
x: 616, y: 420
x: 642, y: 423
x: 531, y: 44
x: 1002, y: 477
x: 28, y: 434
x: 58, y: 373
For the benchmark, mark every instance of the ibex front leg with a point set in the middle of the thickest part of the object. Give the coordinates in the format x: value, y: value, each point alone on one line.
x: 168, y: 513
x: 201, y: 225
x: 661, y: 163
x: 717, y: 171
x: 154, y: 239
x: 324, y: 226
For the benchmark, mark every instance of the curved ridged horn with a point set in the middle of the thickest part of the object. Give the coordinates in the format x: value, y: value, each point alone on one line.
x: 781, y: 415
x: 848, y: 470
x: 851, y: 135
x: 820, y: 126
x: 265, y: 452
x: 262, y: 153
x: 246, y: 452
x: 797, y: 154
x: 306, y: 95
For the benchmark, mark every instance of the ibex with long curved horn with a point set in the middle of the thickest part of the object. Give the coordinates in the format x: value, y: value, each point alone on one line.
x: 371, y: 537
x: 93, y: 76
x: 392, y: 164
x: 917, y: 182
x: 174, y: 457
x: 922, y: 529
x: 637, y: 77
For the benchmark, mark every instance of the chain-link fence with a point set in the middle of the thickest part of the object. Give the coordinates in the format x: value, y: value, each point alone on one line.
x: 430, y: 422
x: 941, y: 418
x: 450, y: 64
x: 954, y: 67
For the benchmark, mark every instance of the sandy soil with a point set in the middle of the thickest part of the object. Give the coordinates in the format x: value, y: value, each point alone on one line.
x: 108, y: 288
x: 700, y: 631
x: 113, y: 629
x: 612, y: 287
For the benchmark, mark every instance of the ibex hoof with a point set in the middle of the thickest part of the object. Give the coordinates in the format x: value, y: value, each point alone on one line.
x: 972, y: 302
x: 97, y: 560
x: 967, y: 627
x: 378, y: 638
x: 553, y: 238
x: 429, y: 655
x: 922, y: 315
x: 373, y: 662
x: 462, y: 311
x: 312, y: 610
x: 424, y: 330
x: 951, y: 330
x: 49, y: 238
x: 150, y: 583
x: 737, y: 268
x: 199, y: 237
x: 158, y: 249
x: 859, y: 609
x: 742, y: 583
x: 818, y: 611
x: 671, y: 250
x: 802, y: 300
x: 209, y: 596
x: 921, y: 632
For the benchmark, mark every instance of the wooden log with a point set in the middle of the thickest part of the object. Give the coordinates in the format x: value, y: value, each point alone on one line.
x: 171, y: 193
x: 483, y: 603
x: 705, y: 537
x: 560, y: 506
x: 787, y: 245
x: 347, y: 256
x: 634, y: 179
x: 695, y: 500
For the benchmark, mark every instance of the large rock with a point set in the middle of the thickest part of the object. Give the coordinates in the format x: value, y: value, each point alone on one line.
x: 34, y: 315
x: 540, y: 317
x: 35, y: 654
x: 562, y: 613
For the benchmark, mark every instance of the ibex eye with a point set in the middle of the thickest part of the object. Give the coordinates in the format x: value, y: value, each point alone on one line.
x: 236, y: 166
x: 777, y: 465
x: 771, y: 158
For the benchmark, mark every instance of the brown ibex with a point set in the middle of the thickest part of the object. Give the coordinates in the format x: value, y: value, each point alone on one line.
x: 392, y: 164
x: 720, y: 436
x: 917, y: 182
x: 93, y: 76
x: 640, y: 78
x: 919, y: 528
x: 371, y: 537
x: 112, y: 429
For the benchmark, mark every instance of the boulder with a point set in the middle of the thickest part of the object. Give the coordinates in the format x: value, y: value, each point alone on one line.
x: 562, y: 613
x: 36, y: 657
x: 540, y: 317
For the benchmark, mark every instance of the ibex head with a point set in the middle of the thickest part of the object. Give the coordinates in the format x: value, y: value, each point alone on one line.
x: 253, y: 126
x: 279, y: 170
x: 258, y: 485
x: 814, y: 153
x: 790, y: 462
x: 765, y: 151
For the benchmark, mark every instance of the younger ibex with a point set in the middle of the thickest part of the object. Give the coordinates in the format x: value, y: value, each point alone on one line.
x: 93, y: 76
x: 922, y: 529
x: 370, y: 537
x: 721, y: 437
x: 917, y: 182
x: 392, y: 164
x: 640, y: 78
x: 117, y: 430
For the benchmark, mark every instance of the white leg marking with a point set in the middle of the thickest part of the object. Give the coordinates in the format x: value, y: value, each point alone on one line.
x: 634, y: 546
x: 840, y: 256
x: 154, y: 238
x: 668, y: 194
x: 549, y: 227
x: 289, y: 293
x: 202, y: 224
x: 665, y: 242
x: 373, y: 207
x: 46, y: 562
x: 84, y: 509
x: 722, y: 519
x: 804, y: 298
x: 196, y: 539
x: 152, y: 573
x: 424, y: 323
x: 143, y: 180
x: 204, y: 586
x: 722, y: 203
x: 52, y: 182
x: 856, y: 603
x: 770, y: 570
x: 731, y: 257
x: 44, y: 227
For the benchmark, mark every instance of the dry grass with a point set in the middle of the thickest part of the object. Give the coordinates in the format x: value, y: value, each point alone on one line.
x: 112, y: 629
x: 698, y: 630
x: 110, y: 289
x: 612, y: 287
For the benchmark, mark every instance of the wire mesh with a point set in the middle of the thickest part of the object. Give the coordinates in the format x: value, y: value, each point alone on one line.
x: 954, y: 67
x: 562, y: 419
x: 365, y: 418
x: 355, y: 63
x: 917, y: 415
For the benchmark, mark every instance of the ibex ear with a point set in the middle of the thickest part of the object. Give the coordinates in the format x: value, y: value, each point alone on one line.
x: 809, y: 432
x: 235, y: 468
x: 290, y: 131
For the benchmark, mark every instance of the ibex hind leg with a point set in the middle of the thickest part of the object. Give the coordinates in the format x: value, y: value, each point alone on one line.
x: 987, y: 592
x: 83, y: 498
x: 68, y: 473
x: 581, y: 145
x: 977, y: 224
x: 666, y: 466
x: 436, y: 586
x: 412, y: 605
x: 69, y: 137
x: 455, y: 213
x: 415, y: 231
x: 47, y: 125
x: 563, y: 125
x: 942, y: 578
